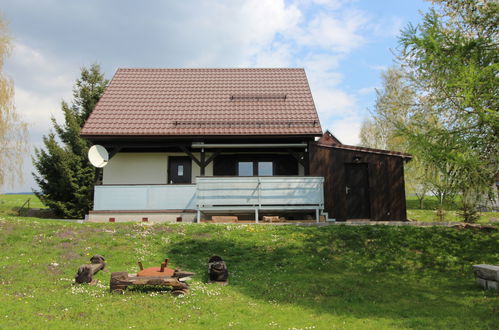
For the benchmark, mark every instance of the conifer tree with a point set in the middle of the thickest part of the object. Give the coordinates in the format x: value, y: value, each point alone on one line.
x: 65, y: 176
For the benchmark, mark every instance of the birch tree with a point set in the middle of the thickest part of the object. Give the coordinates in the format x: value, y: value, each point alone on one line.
x: 13, y: 131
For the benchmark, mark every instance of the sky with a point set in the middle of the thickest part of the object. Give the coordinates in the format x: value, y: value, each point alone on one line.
x: 344, y: 45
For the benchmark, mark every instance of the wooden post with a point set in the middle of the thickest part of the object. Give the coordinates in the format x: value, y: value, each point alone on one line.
x: 203, y: 162
x: 306, y: 160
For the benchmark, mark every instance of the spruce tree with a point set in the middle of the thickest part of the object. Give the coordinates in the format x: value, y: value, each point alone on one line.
x: 65, y: 176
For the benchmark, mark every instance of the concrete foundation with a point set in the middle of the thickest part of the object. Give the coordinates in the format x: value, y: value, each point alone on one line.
x: 151, y: 217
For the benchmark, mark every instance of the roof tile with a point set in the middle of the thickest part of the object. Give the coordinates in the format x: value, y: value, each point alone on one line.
x: 179, y: 102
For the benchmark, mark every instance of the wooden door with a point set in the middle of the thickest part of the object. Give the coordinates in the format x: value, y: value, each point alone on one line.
x: 357, y: 190
x: 179, y: 170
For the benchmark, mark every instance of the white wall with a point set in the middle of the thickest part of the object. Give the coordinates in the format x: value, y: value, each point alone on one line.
x: 136, y: 168
x: 145, y: 168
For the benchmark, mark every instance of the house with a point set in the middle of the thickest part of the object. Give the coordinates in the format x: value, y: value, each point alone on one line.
x: 189, y: 144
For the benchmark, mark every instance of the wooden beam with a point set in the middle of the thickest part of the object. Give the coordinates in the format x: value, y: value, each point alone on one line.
x: 189, y: 153
x: 114, y: 151
x: 210, y: 159
x: 300, y: 157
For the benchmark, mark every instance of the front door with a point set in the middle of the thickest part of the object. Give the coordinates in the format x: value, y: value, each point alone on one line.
x: 179, y: 170
x: 357, y: 190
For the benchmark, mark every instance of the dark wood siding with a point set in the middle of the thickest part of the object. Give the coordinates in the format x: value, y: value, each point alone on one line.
x: 385, y: 177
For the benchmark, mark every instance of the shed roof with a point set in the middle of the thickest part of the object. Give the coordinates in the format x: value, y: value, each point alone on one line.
x: 330, y: 141
x: 205, y: 102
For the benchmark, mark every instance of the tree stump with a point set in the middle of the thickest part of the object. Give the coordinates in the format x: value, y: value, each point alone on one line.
x: 217, y: 271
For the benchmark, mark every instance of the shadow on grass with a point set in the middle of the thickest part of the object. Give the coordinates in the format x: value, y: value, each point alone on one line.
x: 412, y: 276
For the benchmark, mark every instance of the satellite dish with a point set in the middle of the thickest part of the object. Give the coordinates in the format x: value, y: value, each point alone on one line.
x: 98, y: 156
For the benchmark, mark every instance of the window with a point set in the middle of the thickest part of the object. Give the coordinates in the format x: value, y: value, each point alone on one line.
x: 265, y: 169
x: 180, y: 170
x: 245, y: 169
x: 255, y: 168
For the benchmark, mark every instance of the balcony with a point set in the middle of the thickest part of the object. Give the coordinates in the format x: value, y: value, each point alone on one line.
x: 217, y: 194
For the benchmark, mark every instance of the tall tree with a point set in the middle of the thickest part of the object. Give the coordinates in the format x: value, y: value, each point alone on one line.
x: 65, y: 176
x: 452, y: 60
x: 394, y: 108
x: 394, y: 101
x: 13, y: 131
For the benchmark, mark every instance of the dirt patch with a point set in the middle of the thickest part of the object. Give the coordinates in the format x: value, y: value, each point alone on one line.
x: 70, y: 255
x: 202, y: 235
x: 46, y: 316
x: 54, y: 270
x: 66, y: 234
x: 166, y: 229
x: 7, y: 228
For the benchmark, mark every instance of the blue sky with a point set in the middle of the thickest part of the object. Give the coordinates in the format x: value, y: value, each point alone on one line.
x: 342, y: 44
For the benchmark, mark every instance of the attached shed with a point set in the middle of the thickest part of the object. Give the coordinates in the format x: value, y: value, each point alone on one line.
x: 359, y: 183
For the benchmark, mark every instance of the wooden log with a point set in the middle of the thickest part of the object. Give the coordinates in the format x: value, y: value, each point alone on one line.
x: 121, y: 280
x: 182, y: 273
x: 97, y: 259
x: 180, y: 292
x: 224, y: 218
x: 486, y: 272
x: 114, y: 283
x: 266, y: 218
x: 87, y: 271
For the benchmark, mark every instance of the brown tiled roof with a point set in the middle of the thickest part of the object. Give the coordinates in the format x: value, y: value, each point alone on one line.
x: 190, y: 102
x: 329, y: 139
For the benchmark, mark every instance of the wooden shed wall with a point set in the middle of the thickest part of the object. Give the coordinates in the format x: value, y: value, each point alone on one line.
x: 385, y: 176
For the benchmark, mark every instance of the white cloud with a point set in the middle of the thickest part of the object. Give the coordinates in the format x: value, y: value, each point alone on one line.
x: 388, y: 27
x: 337, y: 33
x: 346, y: 129
x: 325, y: 83
x: 366, y: 90
x: 278, y: 54
x: 36, y: 109
x: 38, y: 70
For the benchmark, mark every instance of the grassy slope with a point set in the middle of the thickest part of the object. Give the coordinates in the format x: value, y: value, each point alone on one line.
x: 349, y: 277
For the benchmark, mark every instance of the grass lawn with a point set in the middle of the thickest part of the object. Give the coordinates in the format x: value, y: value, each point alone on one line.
x: 428, y: 214
x: 10, y: 204
x: 281, y: 277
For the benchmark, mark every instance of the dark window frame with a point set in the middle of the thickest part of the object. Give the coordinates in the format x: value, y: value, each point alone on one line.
x: 255, y: 165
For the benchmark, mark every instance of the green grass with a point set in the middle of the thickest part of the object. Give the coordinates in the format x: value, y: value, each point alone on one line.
x: 281, y: 277
x: 10, y: 204
x: 428, y: 213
